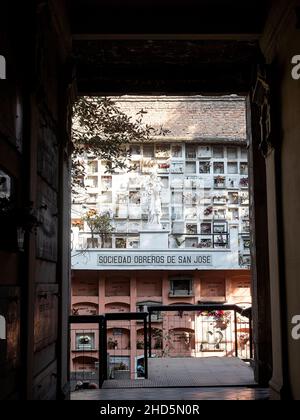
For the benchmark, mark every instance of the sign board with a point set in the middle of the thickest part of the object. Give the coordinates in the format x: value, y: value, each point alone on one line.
x: 157, y: 259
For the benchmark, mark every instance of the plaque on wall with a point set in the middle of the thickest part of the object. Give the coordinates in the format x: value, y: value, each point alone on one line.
x: 46, y: 316
x: 119, y: 286
x: 212, y: 289
x: 149, y: 287
x: 48, y: 155
x: 241, y: 288
x: 85, y: 287
x: 117, y: 307
x: 48, y: 216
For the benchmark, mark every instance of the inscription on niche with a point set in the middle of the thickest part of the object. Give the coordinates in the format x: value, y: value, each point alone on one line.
x: 45, y: 323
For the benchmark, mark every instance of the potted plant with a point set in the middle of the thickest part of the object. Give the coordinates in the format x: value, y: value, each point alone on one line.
x: 140, y: 345
x: 158, y: 339
x: 219, y: 182
x: 222, y: 320
x: 112, y: 344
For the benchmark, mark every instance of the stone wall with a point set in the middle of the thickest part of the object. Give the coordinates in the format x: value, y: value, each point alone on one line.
x: 34, y: 141
x: 192, y: 117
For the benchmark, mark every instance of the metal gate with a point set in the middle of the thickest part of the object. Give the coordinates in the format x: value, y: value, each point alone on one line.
x: 102, y: 345
x: 200, y: 331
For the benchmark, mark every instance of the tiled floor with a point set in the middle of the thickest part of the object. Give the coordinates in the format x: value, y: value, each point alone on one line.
x: 165, y: 394
x: 210, y: 378
x: 190, y: 372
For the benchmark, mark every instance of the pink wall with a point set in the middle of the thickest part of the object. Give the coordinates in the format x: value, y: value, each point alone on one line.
x: 122, y: 293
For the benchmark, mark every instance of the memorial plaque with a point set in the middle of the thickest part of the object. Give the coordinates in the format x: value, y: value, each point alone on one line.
x: 241, y: 289
x: 85, y: 286
x: 48, y: 155
x: 85, y: 309
x: 47, y: 216
x: 151, y: 287
x: 46, y: 316
x: 212, y: 288
x: 117, y: 286
x: 117, y: 307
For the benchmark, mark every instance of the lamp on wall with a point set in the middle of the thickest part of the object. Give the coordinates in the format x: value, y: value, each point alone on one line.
x: 15, y: 223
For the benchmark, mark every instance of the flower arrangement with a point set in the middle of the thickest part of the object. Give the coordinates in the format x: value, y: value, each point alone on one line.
x: 162, y: 151
x: 78, y: 223
x: 221, y: 318
x: 219, y: 179
x: 205, y: 167
x: 112, y: 344
x: 164, y: 166
x: 208, y: 211
x: 140, y: 344
x: 244, y: 182
x: 85, y: 339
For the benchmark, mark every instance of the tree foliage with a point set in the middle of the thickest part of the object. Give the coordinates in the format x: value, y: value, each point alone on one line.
x: 99, y: 224
x: 102, y: 130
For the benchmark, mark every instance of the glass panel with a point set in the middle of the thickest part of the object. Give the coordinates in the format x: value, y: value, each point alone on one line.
x: 205, y: 228
x: 232, y: 153
x: 190, y: 167
x: 191, y: 152
x: 218, y: 167
x: 232, y: 168
x: 163, y: 150
x: 191, y: 229
x: 244, y: 168
x: 204, y: 167
x: 120, y: 242
x: 85, y: 341
x: 148, y: 151
x: 218, y: 152
x: 176, y: 151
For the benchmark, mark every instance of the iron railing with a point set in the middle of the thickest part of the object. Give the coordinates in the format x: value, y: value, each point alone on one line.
x: 220, y: 328
x: 101, y: 349
x: 228, y: 326
x: 130, y: 240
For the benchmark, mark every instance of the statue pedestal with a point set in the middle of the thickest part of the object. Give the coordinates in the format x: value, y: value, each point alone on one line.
x: 155, y: 238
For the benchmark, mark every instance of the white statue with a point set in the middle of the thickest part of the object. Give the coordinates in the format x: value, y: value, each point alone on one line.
x: 153, y: 187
